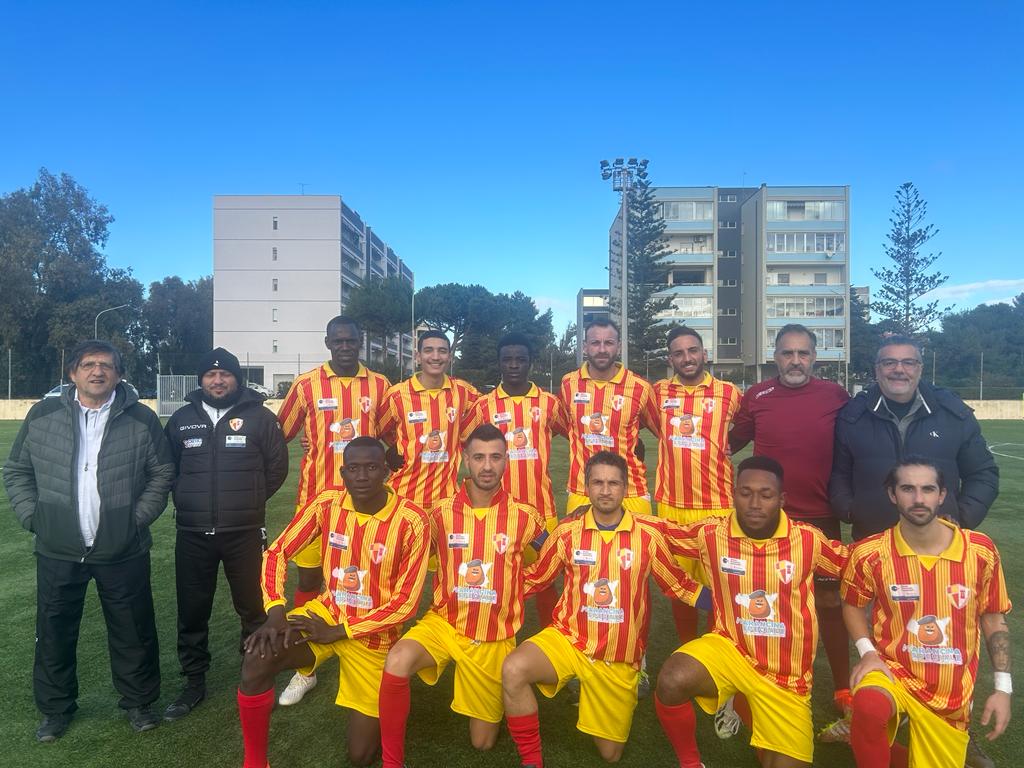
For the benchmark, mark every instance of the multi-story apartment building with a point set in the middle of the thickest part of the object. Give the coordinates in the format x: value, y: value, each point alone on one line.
x: 283, y: 265
x: 591, y: 304
x: 742, y: 262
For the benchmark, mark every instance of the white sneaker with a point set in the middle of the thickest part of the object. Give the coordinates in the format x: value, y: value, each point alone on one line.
x: 298, y: 687
x: 727, y: 722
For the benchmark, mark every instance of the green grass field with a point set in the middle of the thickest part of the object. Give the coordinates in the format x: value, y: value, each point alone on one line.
x: 312, y: 733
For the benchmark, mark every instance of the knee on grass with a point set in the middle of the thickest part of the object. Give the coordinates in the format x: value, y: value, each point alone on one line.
x: 610, y: 751
x: 362, y: 755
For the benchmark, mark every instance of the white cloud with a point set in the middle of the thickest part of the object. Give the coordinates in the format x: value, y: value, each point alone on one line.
x: 556, y: 305
x: 1005, y: 300
x: 963, y: 291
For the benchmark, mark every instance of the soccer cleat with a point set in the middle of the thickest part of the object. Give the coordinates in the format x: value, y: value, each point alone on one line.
x: 52, y: 728
x: 143, y: 719
x: 837, y: 732
x: 297, y: 688
x: 727, y: 722
x: 843, y: 701
x: 643, y: 688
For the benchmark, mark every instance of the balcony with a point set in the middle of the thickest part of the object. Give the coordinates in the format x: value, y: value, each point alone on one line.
x: 832, y: 289
x: 824, y: 354
x: 699, y: 289
x: 702, y: 226
x: 670, y: 316
x: 686, y: 258
x: 806, y: 225
x: 775, y: 257
x: 817, y: 321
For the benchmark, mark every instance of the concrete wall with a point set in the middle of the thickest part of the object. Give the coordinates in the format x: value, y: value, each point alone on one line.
x: 997, y: 409
x: 15, y: 410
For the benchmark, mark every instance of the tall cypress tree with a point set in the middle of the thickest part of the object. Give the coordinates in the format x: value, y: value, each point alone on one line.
x: 904, y: 283
x: 647, y: 275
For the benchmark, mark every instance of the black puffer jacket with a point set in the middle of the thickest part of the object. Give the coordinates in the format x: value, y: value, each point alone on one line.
x: 868, y: 444
x: 133, y: 475
x: 226, y: 473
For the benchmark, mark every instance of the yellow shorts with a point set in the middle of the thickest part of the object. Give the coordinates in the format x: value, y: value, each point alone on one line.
x: 309, y: 556
x: 359, y: 668
x: 607, y: 688
x: 636, y: 505
x: 683, y: 516
x: 782, y: 719
x: 477, y: 666
x: 934, y: 742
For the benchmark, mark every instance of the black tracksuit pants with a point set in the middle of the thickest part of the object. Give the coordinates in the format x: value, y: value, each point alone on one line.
x: 197, y: 558
x: 127, y: 602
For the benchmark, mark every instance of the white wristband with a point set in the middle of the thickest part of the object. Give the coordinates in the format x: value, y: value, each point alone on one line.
x: 864, y: 646
x: 1003, y: 682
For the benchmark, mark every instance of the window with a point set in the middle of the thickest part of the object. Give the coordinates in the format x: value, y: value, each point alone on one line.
x: 828, y: 338
x: 782, y: 278
x: 727, y: 341
x: 728, y: 254
x: 687, y: 210
x: 273, y: 254
x: 689, y: 306
x: 273, y: 284
x: 595, y: 301
x: 810, y: 210
x: 821, y: 278
x: 727, y: 283
x: 727, y: 311
x: 727, y: 225
x: 273, y: 315
x: 805, y: 306
x: 275, y: 222
x: 727, y: 198
x: 806, y: 242
x: 688, y: 277
x: 273, y: 345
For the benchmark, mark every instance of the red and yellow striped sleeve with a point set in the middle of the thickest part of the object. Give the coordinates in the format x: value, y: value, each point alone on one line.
x: 292, y: 414
x: 303, y: 529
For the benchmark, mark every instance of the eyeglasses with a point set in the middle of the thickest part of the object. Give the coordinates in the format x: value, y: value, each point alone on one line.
x: 93, y: 365
x: 890, y: 363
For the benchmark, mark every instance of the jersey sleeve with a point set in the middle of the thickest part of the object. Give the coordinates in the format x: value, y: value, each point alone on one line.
x: 649, y: 410
x: 993, y: 597
x: 682, y: 540
x: 670, y: 577
x: 405, y: 597
x: 831, y: 556
x: 292, y: 413
x: 539, y: 575
x: 387, y: 416
x: 302, y: 530
x: 857, y: 587
x: 473, y: 418
x: 559, y: 417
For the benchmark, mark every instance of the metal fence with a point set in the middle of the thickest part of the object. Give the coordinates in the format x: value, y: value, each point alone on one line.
x: 171, y: 391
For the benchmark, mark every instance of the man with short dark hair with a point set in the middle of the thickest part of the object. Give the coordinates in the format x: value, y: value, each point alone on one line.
x: 374, y: 546
x: 694, y: 477
x: 479, y: 537
x: 791, y: 418
x: 88, y: 474
x: 330, y: 405
x: 761, y: 565
x: 917, y: 597
x: 901, y: 415
x: 230, y: 457
x: 599, y: 630
x: 528, y: 417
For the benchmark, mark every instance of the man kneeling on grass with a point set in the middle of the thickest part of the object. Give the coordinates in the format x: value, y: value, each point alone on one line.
x: 599, y: 628
x: 374, y: 548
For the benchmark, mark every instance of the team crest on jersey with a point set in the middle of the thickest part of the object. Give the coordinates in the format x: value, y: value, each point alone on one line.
x: 535, y: 413
x: 236, y: 424
x: 958, y: 595
x: 377, y: 552
x: 785, y: 569
x: 617, y: 402
x: 365, y: 404
x: 708, y: 406
x: 500, y: 541
x: 625, y: 558
x: 452, y: 415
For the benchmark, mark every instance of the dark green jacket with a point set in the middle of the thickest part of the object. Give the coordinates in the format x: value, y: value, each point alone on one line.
x: 134, y: 474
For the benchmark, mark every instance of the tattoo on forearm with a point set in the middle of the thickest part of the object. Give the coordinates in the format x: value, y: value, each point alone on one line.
x: 999, y: 650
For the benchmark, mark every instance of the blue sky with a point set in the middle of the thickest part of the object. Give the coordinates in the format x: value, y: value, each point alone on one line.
x: 468, y: 134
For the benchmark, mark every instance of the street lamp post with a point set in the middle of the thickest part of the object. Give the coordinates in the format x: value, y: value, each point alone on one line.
x: 622, y: 174
x: 96, y: 321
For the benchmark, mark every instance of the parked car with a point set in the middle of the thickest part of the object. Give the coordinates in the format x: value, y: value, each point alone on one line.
x: 265, y: 391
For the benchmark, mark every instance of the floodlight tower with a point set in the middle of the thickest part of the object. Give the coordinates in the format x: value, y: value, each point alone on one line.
x: 622, y: 173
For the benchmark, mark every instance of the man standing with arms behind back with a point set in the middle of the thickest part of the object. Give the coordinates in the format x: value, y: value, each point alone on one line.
x: 88, y: 474
x: 791, y: 419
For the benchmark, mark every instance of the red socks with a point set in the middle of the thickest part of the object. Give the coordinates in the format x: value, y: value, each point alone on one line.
x: 254, y: 713
x: 679, y: 723
x: 302, y: 597
x: 525, y: 732
x: 546, y: 601
x: 868, y: 730
x: 836, y: 640
x: 685, y: 618
x: 394, y: 713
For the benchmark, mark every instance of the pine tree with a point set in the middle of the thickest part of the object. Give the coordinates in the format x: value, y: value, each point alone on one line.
x: 908, y: 280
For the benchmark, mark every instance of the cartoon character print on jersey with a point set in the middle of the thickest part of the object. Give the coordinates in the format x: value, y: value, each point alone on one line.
x: 475, y: 576
x: 519, y: 445
x: 350, y: 591
x: 595, y: 430
x: 760, y: 609
x: 344, y: 432
x: 686, y: 432
x: 601, y: 607
x: 928, y: 641
x: 434, y: 450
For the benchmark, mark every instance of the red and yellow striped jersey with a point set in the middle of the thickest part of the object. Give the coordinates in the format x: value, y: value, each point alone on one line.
x: 374, y: 565
x: 426, y: 428
x: 926, y: 616
x: 763, y: 591
x: 478, y: 588
x: 605, y: 606
x: 527, y: 423
x: 332, y: 410
x: 607, y: 416
x: 694, y: 469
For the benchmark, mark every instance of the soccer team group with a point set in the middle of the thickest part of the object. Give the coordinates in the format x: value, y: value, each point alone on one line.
x: 380, y: 506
